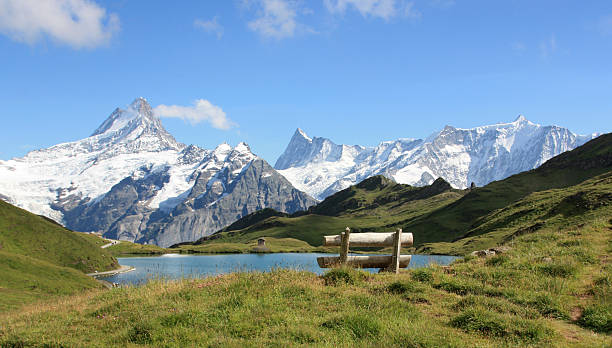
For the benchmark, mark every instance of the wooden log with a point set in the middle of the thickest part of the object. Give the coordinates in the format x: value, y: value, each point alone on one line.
x: 369, y: 239
x: 345, y: 239
x: 364, y: 261
x: 397, y: 246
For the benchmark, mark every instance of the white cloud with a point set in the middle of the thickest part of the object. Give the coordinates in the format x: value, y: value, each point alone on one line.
x: 276, y: 19
x: 385, y: 9
x: 211, y: 26
x: 77, y: 23
x: 202, y: 111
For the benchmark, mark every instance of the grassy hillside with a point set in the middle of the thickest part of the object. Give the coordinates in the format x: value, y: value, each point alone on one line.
x: 125, y: 248
x: 553, y: 288
x: 24, y: 233
x: 24, y: 279
x: 377, y: 204
x: 40, y: 258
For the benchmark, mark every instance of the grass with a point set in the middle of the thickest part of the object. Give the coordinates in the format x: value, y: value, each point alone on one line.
x: 500, y: 301
x: 24, y: 233
x: 24, y: 279
x: 274, y: 245
x: 40, y: 259
x: 125, y: 248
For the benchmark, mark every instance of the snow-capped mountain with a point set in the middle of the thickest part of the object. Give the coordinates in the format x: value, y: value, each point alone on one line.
x: 320, y: 167
x: 132, y: 180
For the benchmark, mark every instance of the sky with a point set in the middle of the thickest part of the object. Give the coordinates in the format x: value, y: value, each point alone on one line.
x: 355, y: 71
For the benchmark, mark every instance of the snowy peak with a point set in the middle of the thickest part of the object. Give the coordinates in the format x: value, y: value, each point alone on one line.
x: 300, y: 133
x: 139, y: 110
x: 299, y: 145
x: 135, y: 128
x: 142, y: 107
x: 482, y: 154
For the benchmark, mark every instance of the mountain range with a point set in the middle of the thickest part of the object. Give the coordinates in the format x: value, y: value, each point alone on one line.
x: 567, y: 190
x: 131, y: 180
x: 478, y: 155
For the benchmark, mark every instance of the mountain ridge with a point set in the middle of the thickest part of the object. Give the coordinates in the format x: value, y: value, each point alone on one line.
x: 444, y: 219
x: 461, y: 156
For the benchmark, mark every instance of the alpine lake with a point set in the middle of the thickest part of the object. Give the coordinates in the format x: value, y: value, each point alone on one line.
x: 176, y: 266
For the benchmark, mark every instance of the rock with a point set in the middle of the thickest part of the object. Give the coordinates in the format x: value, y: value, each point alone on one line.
x: 501, y: 249
x: 482, y: 253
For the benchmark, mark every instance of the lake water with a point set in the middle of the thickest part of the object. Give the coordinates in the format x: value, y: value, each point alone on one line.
x: 173, y: 266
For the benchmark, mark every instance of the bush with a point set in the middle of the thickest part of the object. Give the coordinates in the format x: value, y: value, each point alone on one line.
x: 597, y: 318
x: 422, y: 275
x: 360, y: 326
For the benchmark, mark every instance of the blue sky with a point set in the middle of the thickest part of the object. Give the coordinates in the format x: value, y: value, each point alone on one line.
x: 355, y: 71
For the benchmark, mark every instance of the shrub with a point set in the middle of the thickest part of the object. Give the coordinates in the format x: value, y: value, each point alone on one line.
x: 422, y: 275
x: 597, y: 318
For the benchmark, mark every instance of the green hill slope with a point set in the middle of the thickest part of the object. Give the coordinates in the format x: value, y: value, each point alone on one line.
x: 40, y: 257
x: 376, y: 204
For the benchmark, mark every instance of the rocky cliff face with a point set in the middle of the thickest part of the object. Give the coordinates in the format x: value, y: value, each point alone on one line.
x: 460, y: 156
x: 132, y: 180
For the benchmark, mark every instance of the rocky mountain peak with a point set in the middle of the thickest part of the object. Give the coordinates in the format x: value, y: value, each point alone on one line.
x: 520, y: 118
x: 300, y: 133
x: 299, y: 145
x: 136, y: 128
x: 142, y: 107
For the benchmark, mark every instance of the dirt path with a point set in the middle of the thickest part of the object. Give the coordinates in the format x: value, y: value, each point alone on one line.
x: 112, y: 242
